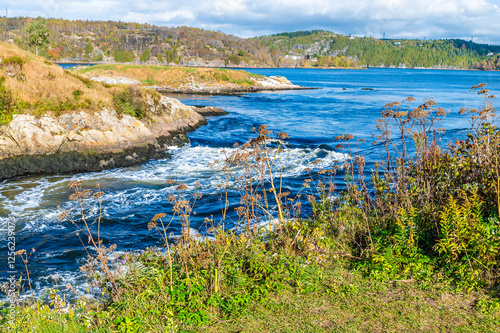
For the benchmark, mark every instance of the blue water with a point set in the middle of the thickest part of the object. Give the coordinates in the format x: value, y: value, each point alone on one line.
x: 312, y: 119
x: 66, y: 66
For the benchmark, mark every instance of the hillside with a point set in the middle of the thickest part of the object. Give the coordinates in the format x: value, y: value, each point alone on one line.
x: 30, y: 84
x: 326, y: 48
x: 134, y: 43
x: 139, y: 43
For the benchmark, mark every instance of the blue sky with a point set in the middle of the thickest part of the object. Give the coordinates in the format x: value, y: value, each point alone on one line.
x: 247, y: 18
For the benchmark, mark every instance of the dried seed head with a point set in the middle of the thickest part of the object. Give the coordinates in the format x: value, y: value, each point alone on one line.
x: 392, y: 105
x: 63, y: 215
x: 97, y: 195
x: 440, y: 112
x: 282, y: 136
x: 74, y: 183
x: 86, y: 193
x: 181, y: 187
x: 152, y: 225
x: 158, y: 216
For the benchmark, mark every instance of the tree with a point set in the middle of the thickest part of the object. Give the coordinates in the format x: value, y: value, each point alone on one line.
x: 37, y: 35
x: 145, y: 56
x: 89, y: 49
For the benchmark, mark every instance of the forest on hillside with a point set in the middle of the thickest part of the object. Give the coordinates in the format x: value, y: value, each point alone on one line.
x: 116, y: 42
x: 95, y: 41
x: 368, y: 51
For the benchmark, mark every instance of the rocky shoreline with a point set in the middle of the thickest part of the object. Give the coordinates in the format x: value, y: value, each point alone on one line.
x: 224, y: 91
x: 81, y: 141
x: 271, y: 83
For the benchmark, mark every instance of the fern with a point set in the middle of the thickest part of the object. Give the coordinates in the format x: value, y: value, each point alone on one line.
x: 468, y: 244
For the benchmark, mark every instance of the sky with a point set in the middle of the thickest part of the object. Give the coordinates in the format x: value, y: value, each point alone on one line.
x: 428, y: 19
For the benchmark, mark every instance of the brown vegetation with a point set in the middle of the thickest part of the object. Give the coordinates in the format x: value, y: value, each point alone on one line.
x: 172, y: 76
x: 38, y: 81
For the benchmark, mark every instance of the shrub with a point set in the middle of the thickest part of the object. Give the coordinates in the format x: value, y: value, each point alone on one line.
x: 234, y: 59
x: 145, y: 56
x: 468, y: 243
x: 14, y: 60
x: 130, y: 101
x: 7, y: 104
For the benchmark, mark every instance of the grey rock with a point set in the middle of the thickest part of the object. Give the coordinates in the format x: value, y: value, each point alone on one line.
x: 82, y: 141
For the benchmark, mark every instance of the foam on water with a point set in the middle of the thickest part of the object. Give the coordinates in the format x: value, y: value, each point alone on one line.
x: 144, y: 185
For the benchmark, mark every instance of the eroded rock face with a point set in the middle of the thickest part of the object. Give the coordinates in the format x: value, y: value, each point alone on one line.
x: 85, y: 142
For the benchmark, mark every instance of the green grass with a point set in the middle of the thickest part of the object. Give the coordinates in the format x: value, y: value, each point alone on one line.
x: 353, y: 303
x: 150, y: 82
x: 342, y: 300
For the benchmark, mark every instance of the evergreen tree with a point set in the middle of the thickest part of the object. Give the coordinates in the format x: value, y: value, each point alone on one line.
x: 37, y: 36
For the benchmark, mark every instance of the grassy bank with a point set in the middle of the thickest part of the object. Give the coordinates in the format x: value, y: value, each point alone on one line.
x: 415, y: 248
x: 173, y: 77
x: 33, y: 85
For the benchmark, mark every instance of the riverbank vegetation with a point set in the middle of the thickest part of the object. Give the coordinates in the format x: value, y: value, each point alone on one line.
x: 412, y: 245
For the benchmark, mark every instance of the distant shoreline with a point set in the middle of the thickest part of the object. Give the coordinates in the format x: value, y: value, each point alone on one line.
x: 79, y: 63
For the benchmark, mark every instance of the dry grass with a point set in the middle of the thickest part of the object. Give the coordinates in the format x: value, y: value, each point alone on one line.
x: 39, y: 80
x: 173, y: 76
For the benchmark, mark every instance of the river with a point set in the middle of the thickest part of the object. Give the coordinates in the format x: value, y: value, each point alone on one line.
x: 132, y: 196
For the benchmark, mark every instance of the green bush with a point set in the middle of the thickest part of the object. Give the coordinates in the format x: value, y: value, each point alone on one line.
x: 8, y: 104
x: 145, y: 56
x: 468, y: 243
x: 123, y: 55
x: 14, y: 60
x: 131, y: 102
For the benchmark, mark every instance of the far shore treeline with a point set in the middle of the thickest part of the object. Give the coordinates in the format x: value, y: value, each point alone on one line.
x: 115, y: 42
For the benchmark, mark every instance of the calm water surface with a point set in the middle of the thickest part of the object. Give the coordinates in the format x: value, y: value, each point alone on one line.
x: 312, y: 119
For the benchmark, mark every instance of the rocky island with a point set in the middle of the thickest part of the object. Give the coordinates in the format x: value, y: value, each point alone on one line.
x: 210, y: 81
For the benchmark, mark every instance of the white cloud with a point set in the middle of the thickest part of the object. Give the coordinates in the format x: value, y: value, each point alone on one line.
x: 397, y: 18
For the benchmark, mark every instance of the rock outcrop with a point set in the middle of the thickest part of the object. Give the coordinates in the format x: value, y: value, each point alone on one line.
x: 208, y: 111
x: 263, y: 83
x: 82, y: 141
